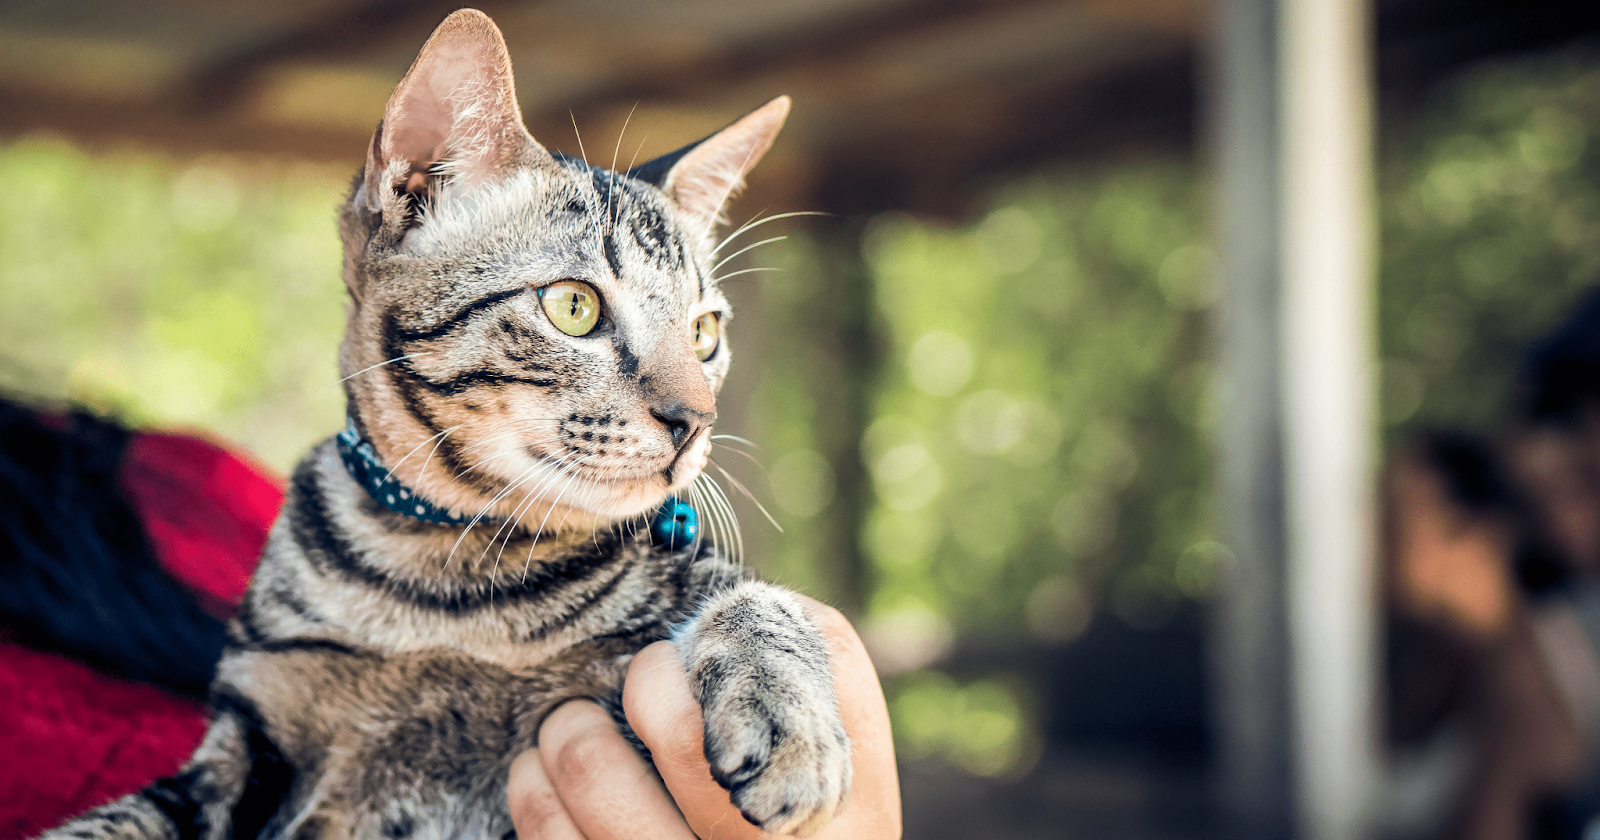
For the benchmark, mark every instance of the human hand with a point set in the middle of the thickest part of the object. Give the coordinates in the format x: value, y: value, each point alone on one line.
x: 585, y: 783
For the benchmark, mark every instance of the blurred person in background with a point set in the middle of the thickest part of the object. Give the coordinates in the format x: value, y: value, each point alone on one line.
x: 1493, y: 612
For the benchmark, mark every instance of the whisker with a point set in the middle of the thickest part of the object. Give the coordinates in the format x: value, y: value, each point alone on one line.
x: 503, y: 454
x: 587, y: 486
x: 571, y: 474
x: 707, y: 531
x: 594, y: 521
x: 714, y: 516
x: 511, y: 523
x: 531, y: 424
x: 741, y: 271
x: 745, y: 441
x: 758, y: 222
x: 735, y: 254
x: 732, y: 518
x: 729, y: 525
x: 581, y: 152
x: 423, y: 472
x: 638, y: 149
x: 617, y: 151
x: 381, y: 364
x: 633, y: 527
x: 739, y: 485
x: 515, y: 520
x: 397, y: 464
x: 492, y: 502
x: 743, y: 454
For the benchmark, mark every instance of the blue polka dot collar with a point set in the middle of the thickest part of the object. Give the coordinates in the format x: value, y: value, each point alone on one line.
x: 675, y: 525
x: 363, y: 465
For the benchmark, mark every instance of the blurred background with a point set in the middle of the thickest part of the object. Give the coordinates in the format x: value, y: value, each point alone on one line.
x: 978, y: 393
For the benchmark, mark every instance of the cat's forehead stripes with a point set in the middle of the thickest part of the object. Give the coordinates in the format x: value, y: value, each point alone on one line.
x: 635, y: 215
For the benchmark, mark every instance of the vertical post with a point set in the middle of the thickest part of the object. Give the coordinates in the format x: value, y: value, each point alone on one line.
x: 1328, y: 407
x: 1293, y: 643
x: 1250, y: 658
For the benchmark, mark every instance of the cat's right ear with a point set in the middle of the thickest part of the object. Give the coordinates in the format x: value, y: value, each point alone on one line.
x: 452, y: 121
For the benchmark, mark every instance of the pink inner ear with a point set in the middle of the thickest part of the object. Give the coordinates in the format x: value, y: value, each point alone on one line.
x: 422, y: 129
x: 457, y: 103
x: 703, y: 181
x: 427, y: 112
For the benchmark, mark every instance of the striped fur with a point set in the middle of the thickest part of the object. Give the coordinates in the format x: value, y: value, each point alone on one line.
x: 383, y: 671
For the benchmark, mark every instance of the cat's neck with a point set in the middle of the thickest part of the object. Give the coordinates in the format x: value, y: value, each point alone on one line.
x: 498, y: 548
x: 434, y: 484
x: 381, y: 580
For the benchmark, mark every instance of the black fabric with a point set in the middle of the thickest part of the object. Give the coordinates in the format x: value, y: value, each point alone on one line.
x: 1471, y: 471
x: 1562, y: 375
x: 77, y: 573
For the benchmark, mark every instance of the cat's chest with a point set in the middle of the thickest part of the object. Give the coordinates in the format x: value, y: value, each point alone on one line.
x: 361, y: 585
x: 420, y: 741
x: 514, y: 629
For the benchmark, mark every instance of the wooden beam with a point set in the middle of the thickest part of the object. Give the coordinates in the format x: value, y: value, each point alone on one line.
x: 337, y: 31
x: 121, y: 124
x: 928, y: 161
x: 851, y: 38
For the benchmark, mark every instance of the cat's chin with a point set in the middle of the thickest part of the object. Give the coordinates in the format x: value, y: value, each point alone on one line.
x: 635, y: 496
x: 627, y: 499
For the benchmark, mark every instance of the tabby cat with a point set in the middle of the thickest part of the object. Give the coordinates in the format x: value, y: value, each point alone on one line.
x: 532, y: 356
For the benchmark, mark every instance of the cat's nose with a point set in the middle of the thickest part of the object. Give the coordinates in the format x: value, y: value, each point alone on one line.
x: 682, y: 420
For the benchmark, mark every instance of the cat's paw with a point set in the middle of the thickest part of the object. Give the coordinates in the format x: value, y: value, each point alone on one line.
x: 786, y: 765
x: 773, y: 735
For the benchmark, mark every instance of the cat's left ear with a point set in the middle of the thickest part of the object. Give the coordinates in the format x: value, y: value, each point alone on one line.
x: 701, y: 177
x: 454, y: 116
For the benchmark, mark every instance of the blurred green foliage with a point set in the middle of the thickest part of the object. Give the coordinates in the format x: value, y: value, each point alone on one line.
x: 192, y: 294
x: 1035, y: 445
x: 1038, y: 442
x: 1040, y: 406
x: 1491, y: 230
x: 1006, y: 421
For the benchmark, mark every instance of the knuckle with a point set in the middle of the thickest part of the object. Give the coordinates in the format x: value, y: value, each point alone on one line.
x: 532, y: 802
x: 536, y: 810
x: 832, y: 624
x: 828, y: 618
x: 582, y: 758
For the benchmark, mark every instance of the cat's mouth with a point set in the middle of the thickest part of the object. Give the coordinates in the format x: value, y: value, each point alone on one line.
x: 622, y: 490
x: 686, y: 463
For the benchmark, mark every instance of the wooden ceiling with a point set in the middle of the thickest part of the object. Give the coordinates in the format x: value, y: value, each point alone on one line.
x: 931, y: 86
x: 898, y: 103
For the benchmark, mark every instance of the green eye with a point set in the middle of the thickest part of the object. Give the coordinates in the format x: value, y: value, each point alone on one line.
x: 705, y: 334
x: 573, y: 307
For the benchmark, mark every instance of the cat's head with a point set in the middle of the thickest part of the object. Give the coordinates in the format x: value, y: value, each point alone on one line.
x: 530, y: 335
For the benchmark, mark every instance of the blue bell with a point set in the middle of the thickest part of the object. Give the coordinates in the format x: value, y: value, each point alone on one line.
x: 676, y: 525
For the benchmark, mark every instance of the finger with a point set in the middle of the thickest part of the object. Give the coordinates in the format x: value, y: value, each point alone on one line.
x: 536, y: 810
x: 662, y: 709
x: 866, y: 719
x: 607, y: 789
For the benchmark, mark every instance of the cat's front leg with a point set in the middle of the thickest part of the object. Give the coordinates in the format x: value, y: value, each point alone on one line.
x: 198, y: 803
x: 773, y: 736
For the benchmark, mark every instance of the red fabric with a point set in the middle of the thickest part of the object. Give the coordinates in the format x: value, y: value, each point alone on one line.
x: 206, y: 510
x: 72, y: 738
